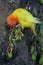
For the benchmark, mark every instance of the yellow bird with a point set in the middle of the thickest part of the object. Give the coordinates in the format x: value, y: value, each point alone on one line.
x: 23, y: 17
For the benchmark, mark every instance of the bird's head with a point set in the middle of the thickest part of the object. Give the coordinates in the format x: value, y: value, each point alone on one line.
x: 12, y: 21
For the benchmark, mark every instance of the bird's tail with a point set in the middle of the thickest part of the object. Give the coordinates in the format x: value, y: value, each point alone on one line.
x: 37, y: 20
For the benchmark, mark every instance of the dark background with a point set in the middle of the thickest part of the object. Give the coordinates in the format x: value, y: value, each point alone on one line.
x: 5, y: 9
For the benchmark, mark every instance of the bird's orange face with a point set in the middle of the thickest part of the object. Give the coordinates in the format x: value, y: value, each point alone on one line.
x: 12, y: 21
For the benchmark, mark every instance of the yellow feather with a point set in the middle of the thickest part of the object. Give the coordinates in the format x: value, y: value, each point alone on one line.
x: 25, y: 18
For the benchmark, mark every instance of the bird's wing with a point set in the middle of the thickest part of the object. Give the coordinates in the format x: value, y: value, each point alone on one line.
x: 24, y: 15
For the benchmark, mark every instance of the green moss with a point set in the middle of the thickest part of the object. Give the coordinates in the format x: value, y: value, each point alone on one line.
x: 41, y: 60
x: 18, y: 34
x: 10, y: 54
x: 32, y: 49
x: 41, y: 1
x: 33, y: 57
x: 42, y: 49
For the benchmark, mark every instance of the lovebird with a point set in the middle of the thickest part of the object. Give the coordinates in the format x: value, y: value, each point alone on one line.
x: 23, y: 17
